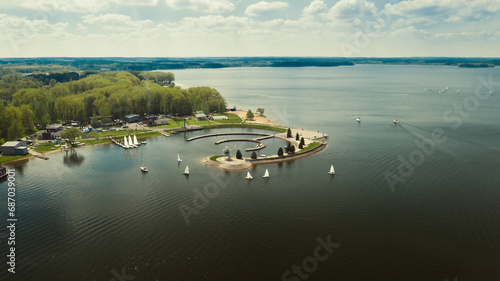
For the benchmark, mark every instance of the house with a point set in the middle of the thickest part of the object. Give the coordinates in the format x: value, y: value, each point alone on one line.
x: 200, y: 115
x: 14, y: 148
x: 161, y: 121
x: 54, y: 128
x: 132, y: 118
x: 52, y: 132
x: 104, y: 122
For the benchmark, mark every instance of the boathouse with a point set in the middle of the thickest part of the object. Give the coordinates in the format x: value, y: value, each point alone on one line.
x: 14, y: 148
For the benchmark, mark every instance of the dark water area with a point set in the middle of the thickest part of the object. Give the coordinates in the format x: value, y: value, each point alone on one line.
x: 412, y: 201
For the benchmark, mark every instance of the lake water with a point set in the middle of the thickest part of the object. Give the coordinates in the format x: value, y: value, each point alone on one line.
x: 93, y: 215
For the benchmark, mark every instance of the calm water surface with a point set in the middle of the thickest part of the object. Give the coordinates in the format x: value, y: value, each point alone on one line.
x: 92, y: 214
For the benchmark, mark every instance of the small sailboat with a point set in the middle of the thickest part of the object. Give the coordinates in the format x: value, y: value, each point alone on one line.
x: 332, y: 170
x: 125, y: 142
x: 248, y: 177
x: 135, y: 141
x: 186, y: 171
x: 266, y: 174
x: 395, y: 120
x: 130, y: 143
x: 358, y: 119
x: 143, y: 168
x: 179, y: 158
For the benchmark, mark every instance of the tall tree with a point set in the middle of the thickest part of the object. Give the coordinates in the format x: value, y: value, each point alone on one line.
x: 238, y: 154
x: 250, y: 114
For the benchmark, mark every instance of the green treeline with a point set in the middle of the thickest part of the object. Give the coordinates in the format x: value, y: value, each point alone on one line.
x: 27, y: 103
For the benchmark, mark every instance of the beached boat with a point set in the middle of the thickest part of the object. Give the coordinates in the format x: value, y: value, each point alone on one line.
x: 248, y: 177
x: 266, y: 174
x: 332, y: 170
x: 186, y: 171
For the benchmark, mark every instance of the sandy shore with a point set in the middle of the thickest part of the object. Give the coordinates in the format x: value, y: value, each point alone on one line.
x: 257, y: 118
x: 232, y: 165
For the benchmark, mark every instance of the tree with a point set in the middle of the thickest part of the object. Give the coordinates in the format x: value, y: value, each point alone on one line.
x: 289, y: 133
x: 288, y: 147
x: 260, y: 111
x: 254, y: 155
x: 292, y: 149
x: 250, y: 114
x: 238, y: 154
x: 297, y: 137
x: 15, y: 130
x: 301, y: 145
x: 280, y: 151
x: 71, y: 134
x: 302, y: 141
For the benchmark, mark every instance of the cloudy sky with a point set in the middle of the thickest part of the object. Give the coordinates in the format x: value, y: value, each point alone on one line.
x: 190, y: 28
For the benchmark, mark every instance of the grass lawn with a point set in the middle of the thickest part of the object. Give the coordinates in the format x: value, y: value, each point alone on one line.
x: 214, y: 158
x: 95, y: 141
x: 41, y: 148
x: 148, y: 135
x: 104, y: 134
x: 309, y: 147
x: 6, y: 159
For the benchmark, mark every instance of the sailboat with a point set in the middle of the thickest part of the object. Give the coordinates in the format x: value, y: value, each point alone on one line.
x: 359, y: 118
x: 130, y: 143
x: 179, y: 158
x: 135, y: 141
x: 248, y: 177
x: 395, y: 120
x: 143, y: 168
x: 332, y: 170
x: 266, y: 174
x: 186, y: 171
x: 125, y: 142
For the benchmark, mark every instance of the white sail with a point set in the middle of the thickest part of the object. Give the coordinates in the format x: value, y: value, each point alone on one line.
x: 248, y: 176
x: 332, y: 171
x: 266, y: 174
x: 179, y: 158
x: 125, y: 143
x: 135, y: 141
x: 130, y: 143
x: 186, y: 171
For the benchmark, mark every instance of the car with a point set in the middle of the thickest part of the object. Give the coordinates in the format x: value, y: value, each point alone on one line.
x: 125, y: 127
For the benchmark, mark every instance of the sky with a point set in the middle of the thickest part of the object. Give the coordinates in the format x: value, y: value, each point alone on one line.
x: 233, y: 28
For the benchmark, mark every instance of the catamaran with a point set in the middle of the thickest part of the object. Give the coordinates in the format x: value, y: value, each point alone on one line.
x: 186, y: 171
x: 332, y: 170
x: 248, y: 177
x: 266, y: 174
x: 179, y: 158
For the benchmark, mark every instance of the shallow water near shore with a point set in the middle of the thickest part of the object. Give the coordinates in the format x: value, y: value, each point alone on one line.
x: 92, y: 214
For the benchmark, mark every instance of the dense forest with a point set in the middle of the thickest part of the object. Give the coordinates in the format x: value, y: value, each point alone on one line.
x: 30, y: 65
x: 31, y: 101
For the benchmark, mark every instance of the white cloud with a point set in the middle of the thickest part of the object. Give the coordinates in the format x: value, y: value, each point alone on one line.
x: 263, y: 7
x: 207, y: 6
x: 82, y: 6
x: 116, y: 22
x: 447, y: 10
x: 314, y: 9
x: 348, y: 9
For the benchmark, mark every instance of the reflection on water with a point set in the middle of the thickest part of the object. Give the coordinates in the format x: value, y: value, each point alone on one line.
x: 72, y: 158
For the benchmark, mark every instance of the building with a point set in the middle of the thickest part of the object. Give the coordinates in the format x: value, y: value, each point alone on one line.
x: 54, y: 128
x: 200, y: 115
x: 14, y: 148
x: 132, y: 118
x: 161, y: 121
x: 220, y: 118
